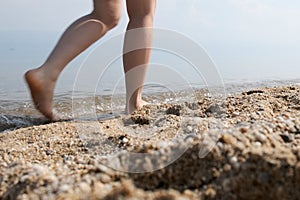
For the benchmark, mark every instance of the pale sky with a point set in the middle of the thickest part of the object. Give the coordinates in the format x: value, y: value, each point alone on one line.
x: 245, y: 38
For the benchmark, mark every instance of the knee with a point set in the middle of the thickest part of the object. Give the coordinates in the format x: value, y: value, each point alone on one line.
x: 142, y: 18
x: 112, y: 21
x: 109, y: 20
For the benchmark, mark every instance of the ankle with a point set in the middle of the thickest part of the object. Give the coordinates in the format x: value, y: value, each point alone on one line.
x: 48, y: 73
x: 134, y: 105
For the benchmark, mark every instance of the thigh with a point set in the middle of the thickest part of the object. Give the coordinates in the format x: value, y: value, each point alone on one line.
x: 140, y: 7
x: 107, y: 9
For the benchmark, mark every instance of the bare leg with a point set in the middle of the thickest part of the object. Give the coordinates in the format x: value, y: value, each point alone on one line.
x: 141, y: 14
x: 79, y: 36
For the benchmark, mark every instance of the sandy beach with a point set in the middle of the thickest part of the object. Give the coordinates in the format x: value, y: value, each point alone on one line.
x: 246, y: 147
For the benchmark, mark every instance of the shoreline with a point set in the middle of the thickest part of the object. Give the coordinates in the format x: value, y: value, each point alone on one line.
x: 20, y: 113
x: 255, y: 152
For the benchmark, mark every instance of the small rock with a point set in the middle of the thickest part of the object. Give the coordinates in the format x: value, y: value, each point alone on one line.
x: 228, y: 139
x: 234, y: 161
x: 64, y: 188
x: 243, y: 130
x: 84, y: 187
x: 253, y: 92
x: 226, y: 168
x: 220, y: 145
x: 235, y: 114
x: 257, y: 144
x: 105, y: 169
x: 214, y: 109
x: 260, y: 137
x: 285, y: 138
x: 104, y: 178
x: 174, y: 110
x: 49, y: 152
x: 125, y: 140
x: 210, y: 192
x: 216, y: 173
x: 189, y: 128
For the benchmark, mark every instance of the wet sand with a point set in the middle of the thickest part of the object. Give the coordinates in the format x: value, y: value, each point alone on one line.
x: 245, y: 147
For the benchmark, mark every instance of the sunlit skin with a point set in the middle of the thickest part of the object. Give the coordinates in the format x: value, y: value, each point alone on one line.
x: 83, y: 33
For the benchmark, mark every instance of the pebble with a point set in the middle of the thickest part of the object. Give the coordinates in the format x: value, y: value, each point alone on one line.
x: 285, y: 138
x: 84, y: 187
x: 105, y: 169
x: 260, y: 137
x: 257, y: 144
x: 125, y: 140
x: 104, y: 178
x: 197, y: 120
x: 64, y: 188
x: 227, y: 167
x: 243, y: 130
x: 235, y: 114
x: 189, y: 128
x: 220, y: 145
x: 234, y: 162
x: 49, y: 152
x: 210, y: 193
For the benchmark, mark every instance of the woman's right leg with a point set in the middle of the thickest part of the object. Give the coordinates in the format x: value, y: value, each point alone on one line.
x: 141, y: 16
x: 79, y: 36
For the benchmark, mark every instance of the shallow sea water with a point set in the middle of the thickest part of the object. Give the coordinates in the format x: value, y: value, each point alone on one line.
x: 18, y: 111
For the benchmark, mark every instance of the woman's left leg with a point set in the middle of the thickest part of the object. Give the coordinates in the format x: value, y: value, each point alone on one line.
x: 141, y: 15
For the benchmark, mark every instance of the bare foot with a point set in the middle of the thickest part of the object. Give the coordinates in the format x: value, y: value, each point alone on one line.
x: 135, y: 106
x: 41, y: 88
